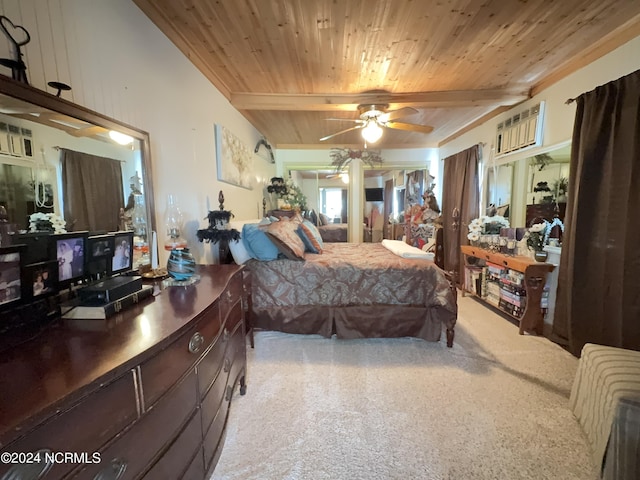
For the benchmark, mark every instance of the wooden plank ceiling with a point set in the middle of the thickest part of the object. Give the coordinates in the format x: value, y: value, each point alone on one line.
x: 288, y: 65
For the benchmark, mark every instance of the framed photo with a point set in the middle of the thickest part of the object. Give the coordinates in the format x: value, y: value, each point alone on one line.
x: 40, y: 279
x: 121, y: 259
x: 235, y: 160
x: 11, y: 290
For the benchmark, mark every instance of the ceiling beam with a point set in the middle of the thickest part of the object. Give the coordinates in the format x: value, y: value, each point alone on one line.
x: 329, y: 102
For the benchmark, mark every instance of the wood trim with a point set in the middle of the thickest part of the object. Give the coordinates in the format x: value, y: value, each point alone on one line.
x: 326, y: 102
x: 475, y: 123
x: 615, y: 39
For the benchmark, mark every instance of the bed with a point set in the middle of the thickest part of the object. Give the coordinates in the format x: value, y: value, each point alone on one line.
x: 334, y: 232
x: 353, y: 291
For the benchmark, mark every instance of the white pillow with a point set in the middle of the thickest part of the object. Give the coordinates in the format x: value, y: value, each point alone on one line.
x: 239, y: 251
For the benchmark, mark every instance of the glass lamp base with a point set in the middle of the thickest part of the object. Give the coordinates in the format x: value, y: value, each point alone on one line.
x: 174, y: 282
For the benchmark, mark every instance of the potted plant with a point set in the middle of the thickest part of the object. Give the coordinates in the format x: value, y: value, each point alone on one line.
x: 561, y: 188
x: 536, y: 240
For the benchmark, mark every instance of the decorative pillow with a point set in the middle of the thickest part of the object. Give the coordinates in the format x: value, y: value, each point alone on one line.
x: 288, y: 241
x: 308, y: 245
x: 258, y: 245
x: 239, y: 251
x: 324, y: 220
x: 313, y: 217
x: 313, y: 235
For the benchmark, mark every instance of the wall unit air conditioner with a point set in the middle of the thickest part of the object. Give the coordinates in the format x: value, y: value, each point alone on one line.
x: 15, y: 141
x: 522, y: 130
x: 27, y: 142
x: 4, y: 139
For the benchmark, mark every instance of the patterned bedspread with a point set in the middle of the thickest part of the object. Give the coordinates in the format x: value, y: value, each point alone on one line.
x: 334, y: 232
x: 355, y: 284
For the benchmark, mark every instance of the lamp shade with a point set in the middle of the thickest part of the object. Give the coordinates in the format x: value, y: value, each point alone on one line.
x: 372, y: 132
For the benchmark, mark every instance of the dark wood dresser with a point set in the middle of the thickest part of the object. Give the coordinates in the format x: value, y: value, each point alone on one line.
x: 142, y: 395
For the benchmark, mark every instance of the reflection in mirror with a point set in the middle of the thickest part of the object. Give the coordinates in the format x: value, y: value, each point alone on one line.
x: 327, y: 200
x: 498, y: 189
x: 547, y: 184
x: 57, y: 157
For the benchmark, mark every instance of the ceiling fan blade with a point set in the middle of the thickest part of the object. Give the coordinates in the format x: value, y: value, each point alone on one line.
x: 345, y: 120
x: 393, y: 114
x: 410, y: 127
x: 340, y: 133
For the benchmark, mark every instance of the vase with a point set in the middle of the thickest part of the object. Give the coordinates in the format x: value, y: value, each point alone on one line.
x: 181, y: 264
x: 540, y: 256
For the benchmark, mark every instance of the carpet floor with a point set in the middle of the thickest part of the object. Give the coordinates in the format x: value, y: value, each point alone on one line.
x: 495, y: 406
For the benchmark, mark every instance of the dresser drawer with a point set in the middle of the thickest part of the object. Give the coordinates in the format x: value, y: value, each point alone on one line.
x: 213, y: 439
x: 196, y: 468
x: 213, y: 362
x: 84, y: 427
x: 213, y: 398
x: 177, y: 459
x: 231, y: 295
x: 237, y: 356
x: 166, y: 367
x: 136, y: 448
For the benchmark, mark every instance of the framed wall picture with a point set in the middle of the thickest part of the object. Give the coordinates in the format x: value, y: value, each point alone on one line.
x: 235, y: 159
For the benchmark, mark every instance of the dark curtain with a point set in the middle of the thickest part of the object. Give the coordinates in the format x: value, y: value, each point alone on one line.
x: 460, y: 200
x: 388, y: 204
x: 92, y: 191
x: 598, y: 296
x: 345, y: 205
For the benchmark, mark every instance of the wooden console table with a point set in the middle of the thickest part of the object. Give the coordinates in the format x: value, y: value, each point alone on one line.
x: 143, y: 394
x: 535, y: 273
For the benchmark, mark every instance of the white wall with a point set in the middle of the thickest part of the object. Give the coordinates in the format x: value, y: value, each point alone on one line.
x: 119, y: 64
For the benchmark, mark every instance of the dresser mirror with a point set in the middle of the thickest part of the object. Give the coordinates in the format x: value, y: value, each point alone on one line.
x: 36, y: 129
x: 529, y: 188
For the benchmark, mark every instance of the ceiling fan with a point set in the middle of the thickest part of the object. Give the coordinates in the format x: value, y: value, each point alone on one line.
x: 375, y: 117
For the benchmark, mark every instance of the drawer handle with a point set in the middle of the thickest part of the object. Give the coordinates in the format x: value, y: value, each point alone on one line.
x: 228, y: 394
x: 196, y: 342
x: 505, y: 263
x: 227, y: 365
x: 225, y: 335
x: 113, y: 471
x: 31, y: 470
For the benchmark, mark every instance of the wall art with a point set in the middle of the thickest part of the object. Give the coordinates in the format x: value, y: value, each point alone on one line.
x: 235, y: 159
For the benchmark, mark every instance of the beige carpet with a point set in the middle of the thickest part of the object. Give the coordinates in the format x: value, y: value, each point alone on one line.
x: 495, y: 406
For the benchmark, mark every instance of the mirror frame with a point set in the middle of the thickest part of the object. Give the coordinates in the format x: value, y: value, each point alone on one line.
x: 27, y: 93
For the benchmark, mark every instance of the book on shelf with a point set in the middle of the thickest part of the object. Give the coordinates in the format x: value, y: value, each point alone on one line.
x: 89, y: 311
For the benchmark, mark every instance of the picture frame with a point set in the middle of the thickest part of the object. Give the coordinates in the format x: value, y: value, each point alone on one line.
x: 11, y: 276
x: 40, y: 280
x: 234, y: 159
x: 121, y: 260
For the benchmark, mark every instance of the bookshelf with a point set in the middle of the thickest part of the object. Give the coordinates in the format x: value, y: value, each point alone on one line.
x: 514, y: 285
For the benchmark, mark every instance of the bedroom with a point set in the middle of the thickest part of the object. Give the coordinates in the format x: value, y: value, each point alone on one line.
x: 122, y: 66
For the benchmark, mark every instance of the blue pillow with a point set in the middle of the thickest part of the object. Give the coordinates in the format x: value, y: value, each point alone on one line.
x: 308, y: 246
x: 257, y: 243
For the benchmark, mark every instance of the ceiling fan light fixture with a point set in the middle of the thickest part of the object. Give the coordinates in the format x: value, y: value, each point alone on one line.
x: 372, y: 132
x: 120, y: 138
